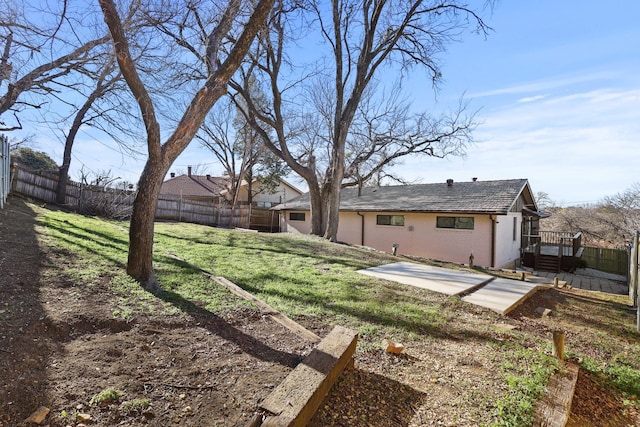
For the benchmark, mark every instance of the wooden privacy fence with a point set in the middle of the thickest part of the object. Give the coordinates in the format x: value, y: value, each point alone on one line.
x: 88, y: 199
x: 5, y: 169
x: 604, y: 259
x: 118, y: 203
x: 208, y: 212
x: 176, y: 208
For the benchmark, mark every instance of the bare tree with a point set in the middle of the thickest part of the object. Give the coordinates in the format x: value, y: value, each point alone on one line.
x: 384, y: 133
x: 219, y: 136
x: 363, y: 37
x: 611, y: 222
x: 162, y: 155
x: 619, y: 215
x: 105, y: 82
x: 40, y: 49
x: 544, y: 200
x: 240, y: 150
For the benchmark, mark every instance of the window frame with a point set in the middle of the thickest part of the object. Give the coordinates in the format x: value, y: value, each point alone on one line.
x: 456, y: 222
x: 299, y: 214
x: 399, y: 222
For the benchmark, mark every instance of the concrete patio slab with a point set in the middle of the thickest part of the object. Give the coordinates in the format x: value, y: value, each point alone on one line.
x: 503, y: 295
x: 443, y: 280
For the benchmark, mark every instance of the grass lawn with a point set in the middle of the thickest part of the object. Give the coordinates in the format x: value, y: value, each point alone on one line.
x: 315, y: 282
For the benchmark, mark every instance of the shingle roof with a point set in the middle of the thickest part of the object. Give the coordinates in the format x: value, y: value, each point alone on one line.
x: 471, y: 197
x: 194, y: 185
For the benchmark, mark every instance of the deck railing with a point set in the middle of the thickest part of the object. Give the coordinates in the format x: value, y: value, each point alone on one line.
x: 567, y: 242
x: 554, y: 238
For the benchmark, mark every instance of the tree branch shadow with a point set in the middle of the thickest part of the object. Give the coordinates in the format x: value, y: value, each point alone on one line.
x: 217, y: 325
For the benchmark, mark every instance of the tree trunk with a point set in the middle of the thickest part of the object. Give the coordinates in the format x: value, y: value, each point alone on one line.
x: 63, y: 172
x: 162, y: 156
x: 63, y: 177
x: 315, y: 199
x: 249, y: 176
x: 140, y: 262
x: 334, y: 185
x: 333, y: 214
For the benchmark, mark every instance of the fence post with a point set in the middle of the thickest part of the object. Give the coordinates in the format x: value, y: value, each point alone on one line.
x: 633, y: 271
x: 634, y: 289
x: 5, y: 169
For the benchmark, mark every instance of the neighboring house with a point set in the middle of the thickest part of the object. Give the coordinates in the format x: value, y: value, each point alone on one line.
x: 216, y: 189
x: 446, y: 221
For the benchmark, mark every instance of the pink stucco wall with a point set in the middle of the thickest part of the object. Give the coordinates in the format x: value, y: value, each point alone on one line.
x: 420, y: 237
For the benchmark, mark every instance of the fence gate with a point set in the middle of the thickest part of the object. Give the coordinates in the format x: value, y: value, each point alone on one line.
x: 5, y: 169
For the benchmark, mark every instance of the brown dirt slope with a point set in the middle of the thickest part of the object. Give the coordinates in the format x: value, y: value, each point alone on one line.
x: 60, y: 346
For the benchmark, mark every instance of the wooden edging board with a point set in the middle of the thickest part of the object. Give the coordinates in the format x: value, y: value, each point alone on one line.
x: 554, y: 409
x: 298, y: 397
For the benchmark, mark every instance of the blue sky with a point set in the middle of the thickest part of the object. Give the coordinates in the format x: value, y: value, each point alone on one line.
x: 557, y: 85
x: 557, y: 89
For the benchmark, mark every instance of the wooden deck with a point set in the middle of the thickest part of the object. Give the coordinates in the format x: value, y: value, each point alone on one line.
x: 554, y: 250
x: 551, y: 250
x: 548, y: 257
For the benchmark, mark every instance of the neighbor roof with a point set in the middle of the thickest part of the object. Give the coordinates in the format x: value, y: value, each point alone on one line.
x: 495, y: 197
x: 195, y: 185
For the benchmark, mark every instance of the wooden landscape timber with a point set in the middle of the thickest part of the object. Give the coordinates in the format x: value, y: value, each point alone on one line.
x: 295, y: 401
x: 554, y: 409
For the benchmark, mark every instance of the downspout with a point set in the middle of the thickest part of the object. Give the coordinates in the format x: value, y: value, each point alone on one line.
x: 493, y: 240
x: 361, y: 228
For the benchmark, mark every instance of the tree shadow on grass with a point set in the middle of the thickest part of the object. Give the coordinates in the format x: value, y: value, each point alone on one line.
x: 80, y: 240
x: 216, y: 325
x: 316, y: 252
x: 373, y: 314
x: 362, y: 398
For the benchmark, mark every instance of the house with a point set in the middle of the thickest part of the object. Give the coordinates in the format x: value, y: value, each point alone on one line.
x: 195, y: 187
x: 449, y: 221
x: 216, y: 189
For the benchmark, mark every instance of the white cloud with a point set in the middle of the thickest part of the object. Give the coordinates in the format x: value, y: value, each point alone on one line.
x: 578, y: 147
x: 547, y: 84
x: 531, y: 98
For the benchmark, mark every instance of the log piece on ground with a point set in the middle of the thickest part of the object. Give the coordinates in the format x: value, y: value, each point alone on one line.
x: 392, y: 346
